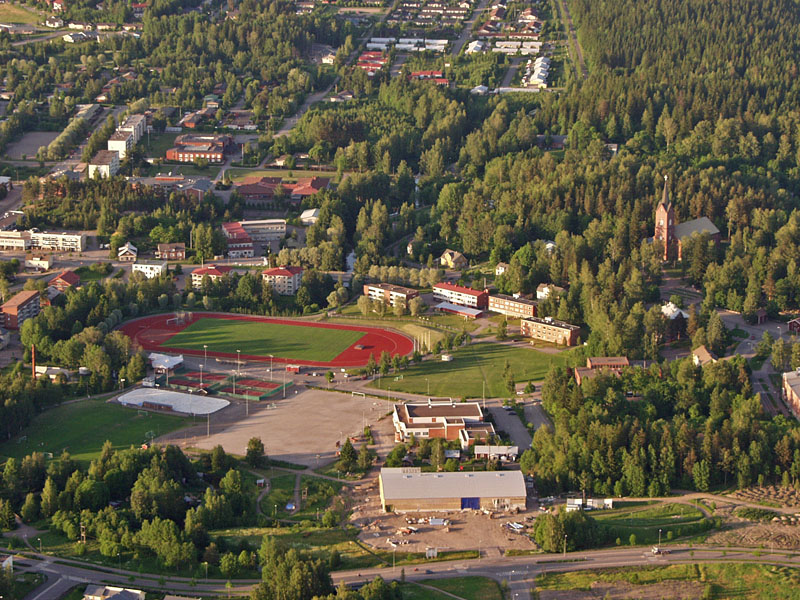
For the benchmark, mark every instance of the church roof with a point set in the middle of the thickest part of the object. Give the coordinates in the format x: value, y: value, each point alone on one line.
x: 701, y: 225
x: 665, y: 197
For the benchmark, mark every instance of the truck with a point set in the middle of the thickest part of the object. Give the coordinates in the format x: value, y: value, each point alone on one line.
x: 659, y: 551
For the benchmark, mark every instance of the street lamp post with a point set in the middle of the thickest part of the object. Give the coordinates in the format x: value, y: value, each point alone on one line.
x: 659, y: 537
x: 205, y: 564
x: 238, y: 362
x: 234, y: 382
x: 205, y: 360
x: 565, y: 545
x: 284, y: 383
x: 40, y: 544
x: 428, y: 383
x: 201, y: 374
x: 121, y: 383
x: 270, y: 366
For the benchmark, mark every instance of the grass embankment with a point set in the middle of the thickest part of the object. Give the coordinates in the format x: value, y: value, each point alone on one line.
x: 674, y: 521
x: 471, y: 366
x: 728, y: 580
x: 82, y: 427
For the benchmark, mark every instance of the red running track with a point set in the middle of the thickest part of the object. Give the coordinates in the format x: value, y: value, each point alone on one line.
x: 153, y: 333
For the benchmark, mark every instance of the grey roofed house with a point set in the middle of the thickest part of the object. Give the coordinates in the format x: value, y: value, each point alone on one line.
x: 701, y: 225
x: 104, y: 592
x: 397, y: 484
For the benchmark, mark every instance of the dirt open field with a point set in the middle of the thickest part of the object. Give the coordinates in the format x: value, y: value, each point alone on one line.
x: 675, y: 590
x: 301, y: 427
x: 29, y: 144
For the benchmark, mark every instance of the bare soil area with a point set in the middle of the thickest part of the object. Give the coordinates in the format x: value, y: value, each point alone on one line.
x: 777, y: 495
x: 677, y: 590
x: 29, y: 144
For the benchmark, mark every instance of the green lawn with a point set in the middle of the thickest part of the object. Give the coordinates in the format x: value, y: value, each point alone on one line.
x: 644, y: 523
x: 262, y: 339
x: 239, y: 174
x: 82, y: 427
x: 87, y: 274
x: 470, y: 588
x: 13, y: 13
x: 471, y: 366
x: 159, y: 144
x: 728, y: 580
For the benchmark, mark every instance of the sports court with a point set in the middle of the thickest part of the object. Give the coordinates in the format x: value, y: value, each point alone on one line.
x: 165, y: 401
x: 220, y: 335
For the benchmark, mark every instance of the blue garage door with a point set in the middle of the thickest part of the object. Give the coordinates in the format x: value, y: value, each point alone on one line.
x: 471, y: 503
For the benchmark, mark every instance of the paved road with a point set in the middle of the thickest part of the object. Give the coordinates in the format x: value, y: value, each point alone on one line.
x: 519, y: 571
x: 512, y: 70
x: 509, y: 422
x: 466, y: 32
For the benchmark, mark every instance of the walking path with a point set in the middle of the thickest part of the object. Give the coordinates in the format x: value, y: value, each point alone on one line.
x: 573, y: 45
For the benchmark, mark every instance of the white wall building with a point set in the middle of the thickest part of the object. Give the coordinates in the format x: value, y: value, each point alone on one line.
x: 150, y: 269
x: 284, y: 280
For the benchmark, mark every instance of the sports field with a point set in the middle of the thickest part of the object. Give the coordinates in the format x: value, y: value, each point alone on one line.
x: 470, y: 367
x: 287, y: 340
x: 253, y: 337
x: 83, y: 427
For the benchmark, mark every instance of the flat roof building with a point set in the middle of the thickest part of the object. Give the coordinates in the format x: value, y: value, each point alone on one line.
x: 150, y: 269
x: 790, y: 390
x: 20, y: 308
x: 512, y: 307
x: 104, y: 164
x: 284, y: 280
x: 389, y: 293
x: 458, y: 294
x: 550, y: 330
x: 408, y: 489
x: 461, y: 421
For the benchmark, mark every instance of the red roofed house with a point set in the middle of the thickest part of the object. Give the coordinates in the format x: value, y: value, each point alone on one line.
x: 464, y: 296
x: 308, y: 187
x: 284, y: 280
x: 64, y: 280
x: 258, y: 188
x: 212, y: 271
x: 20, y: 308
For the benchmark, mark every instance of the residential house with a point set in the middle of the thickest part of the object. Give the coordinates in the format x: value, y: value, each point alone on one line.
x: 701, y: 356
x: 543, y: 291
x: 65, y: 279
x: 109, y: 592
x: 40, y: 263
x: 127, y: 253
x: 452, y: 259
x: 175, y: 251
x: 501, y: 268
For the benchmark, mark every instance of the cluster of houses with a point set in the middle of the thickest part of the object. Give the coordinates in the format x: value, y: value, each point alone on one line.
x: 526, y: 26
x: 429, y: 13
x: 536, y: 72
x: 372, y: 61
x: 436, y: 77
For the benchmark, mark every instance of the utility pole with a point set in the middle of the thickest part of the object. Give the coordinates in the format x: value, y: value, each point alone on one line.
x: 208, y: 424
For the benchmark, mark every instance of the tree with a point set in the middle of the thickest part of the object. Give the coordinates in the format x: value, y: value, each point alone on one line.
x: 229, y: 565
x: 49, y: 498
x: 347, y: 456
x: 255, y: 452
x: 364, y: 458
x: 416, y: 306
x: 330, y: 377
x: 437, y: 454
x: 30, y: 509
x: 502, y: 330
x: 364, y: 305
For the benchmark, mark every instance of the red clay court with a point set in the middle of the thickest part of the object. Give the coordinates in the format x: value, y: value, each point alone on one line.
x: 290, y: 341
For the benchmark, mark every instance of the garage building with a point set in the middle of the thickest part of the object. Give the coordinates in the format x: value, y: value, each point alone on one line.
x: 408, y: 489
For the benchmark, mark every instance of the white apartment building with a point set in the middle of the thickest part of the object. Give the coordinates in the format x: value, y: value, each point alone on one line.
x: 105, y: 163
x: 390, y: 294
x: 135, y: 125
x: 121, y: 142
x: 150, y: 268
x: 284, y: 280
x: 42, y: 240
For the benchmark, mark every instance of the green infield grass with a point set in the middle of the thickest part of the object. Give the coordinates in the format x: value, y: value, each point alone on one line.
x: 263, y: 338
x: 470, y: 367
x: 82, y: 428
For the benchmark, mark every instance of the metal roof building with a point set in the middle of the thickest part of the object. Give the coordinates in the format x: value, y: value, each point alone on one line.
x: 408, y: 489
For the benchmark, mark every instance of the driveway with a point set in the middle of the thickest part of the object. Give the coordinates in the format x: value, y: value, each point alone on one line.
x: 509, y: 422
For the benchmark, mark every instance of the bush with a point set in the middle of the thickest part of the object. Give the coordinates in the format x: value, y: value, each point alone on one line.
x: 632, y: 539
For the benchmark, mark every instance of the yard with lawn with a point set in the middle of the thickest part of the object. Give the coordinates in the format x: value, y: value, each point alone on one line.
x: 257, y: 338
x: 470, y: 367
x: 82, y: 427
x: 14, y: 13
x: 89, y: 274
x: 644, y: 522
x: 158, y: 145
x: 730, y: 580
x: 238, y: 175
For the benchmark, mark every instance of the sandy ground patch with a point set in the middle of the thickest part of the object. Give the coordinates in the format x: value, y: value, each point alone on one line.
x: 29, y: 144
x: 677, y: 590
x: 299, y: 428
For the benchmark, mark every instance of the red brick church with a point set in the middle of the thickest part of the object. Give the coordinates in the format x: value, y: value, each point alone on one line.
x: 672, y: 234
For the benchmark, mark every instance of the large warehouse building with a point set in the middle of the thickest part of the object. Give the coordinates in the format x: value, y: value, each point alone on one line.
x: 408, y: 489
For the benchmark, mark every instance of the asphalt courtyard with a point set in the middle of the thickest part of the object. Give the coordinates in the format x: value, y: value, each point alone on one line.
x: 300, y: 427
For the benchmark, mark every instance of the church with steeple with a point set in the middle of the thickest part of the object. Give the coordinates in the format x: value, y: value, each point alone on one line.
x: 671, y: 234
